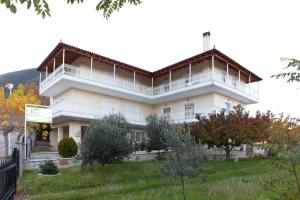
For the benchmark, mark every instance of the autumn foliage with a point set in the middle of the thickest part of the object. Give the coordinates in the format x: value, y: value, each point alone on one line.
x: 12, y: 109
x: 227, y: 130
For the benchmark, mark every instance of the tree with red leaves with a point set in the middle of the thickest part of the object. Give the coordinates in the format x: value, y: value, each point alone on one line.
x: 227, y: 130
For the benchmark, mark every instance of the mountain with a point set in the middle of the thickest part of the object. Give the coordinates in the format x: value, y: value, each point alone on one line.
x: 22, y: 76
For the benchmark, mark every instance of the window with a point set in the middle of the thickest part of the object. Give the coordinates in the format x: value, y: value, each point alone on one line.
x: 139, y: 137
x: 108, y: 78
x: 234, y: 82
x: 167, y: 113
x: 189, y: 110
x: 227, y: 107
x: 132, y: 112
x: 109, y: 107
x: 223, y: 76
x: 166, y: 86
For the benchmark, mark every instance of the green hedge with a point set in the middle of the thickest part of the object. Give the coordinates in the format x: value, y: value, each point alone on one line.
x: 67, y: 147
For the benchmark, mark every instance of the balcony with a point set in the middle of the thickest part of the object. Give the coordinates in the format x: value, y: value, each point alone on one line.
x: 225, y: 84
x: 71, y: 110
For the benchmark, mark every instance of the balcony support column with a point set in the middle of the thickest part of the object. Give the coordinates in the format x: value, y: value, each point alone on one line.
x: 92, y: 68
x: 249, y: 84
x: 134, y: 79
x: 170, y: 79
x: 46, y: 73
x: 40, y: 78
x: 63, y: 59
x: 152, y: 85
x: 239, y: 77
x: 190, y: 73
x: 114, y: 74
x: 213, y: 67
x: 53, y: 64
x: 227, y: 71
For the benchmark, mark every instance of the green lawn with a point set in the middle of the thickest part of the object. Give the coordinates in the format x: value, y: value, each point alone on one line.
x: 249, y: 179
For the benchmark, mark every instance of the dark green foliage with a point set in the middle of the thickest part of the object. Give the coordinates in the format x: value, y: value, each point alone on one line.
x: 107, y: 140
x: 41, y: 7
x: 17, y: 77
x: 186, y: 156
x: 48, y: 167
x: 292, y: 75
x: 67, y: 148
x: 154, y: 129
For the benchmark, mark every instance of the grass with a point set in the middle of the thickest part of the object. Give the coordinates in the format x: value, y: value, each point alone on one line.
x: 248, y: 179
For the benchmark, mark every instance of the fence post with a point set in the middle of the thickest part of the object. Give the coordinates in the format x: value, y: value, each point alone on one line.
x: 21, y: 154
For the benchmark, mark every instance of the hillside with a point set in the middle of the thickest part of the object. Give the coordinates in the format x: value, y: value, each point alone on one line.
x: 22, y: 76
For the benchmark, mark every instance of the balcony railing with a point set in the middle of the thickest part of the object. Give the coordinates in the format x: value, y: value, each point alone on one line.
x: 230, y: 81
x: 86, y: 111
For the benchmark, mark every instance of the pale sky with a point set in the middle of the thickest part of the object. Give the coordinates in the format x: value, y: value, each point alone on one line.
x: 158, y: 33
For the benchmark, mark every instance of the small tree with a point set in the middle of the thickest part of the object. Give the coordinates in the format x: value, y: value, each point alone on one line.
x: 154, y: 131
x: 186, y: 156
x: 107, y: 139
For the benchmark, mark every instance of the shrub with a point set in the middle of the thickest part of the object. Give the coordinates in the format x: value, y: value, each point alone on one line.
x: 107, y: 140
x: 154, y: 129
x: 67, y: 148
x: 48, y: 167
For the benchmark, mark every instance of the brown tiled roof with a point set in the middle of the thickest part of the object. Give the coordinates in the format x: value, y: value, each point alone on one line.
x: 74, y: 52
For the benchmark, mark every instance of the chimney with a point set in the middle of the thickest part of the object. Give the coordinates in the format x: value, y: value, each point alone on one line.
x: 206, y: 41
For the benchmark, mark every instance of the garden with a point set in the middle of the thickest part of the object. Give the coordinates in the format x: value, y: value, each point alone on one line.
x: 183, y: 170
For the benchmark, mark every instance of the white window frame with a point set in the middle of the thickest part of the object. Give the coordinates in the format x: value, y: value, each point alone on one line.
x: 162, y: 111
x: 113, y: 101
x: 230, y: 108
x: 183, y: 108
x: 234, y: 82
x: 138, y: 111
x: 223, y: 76
x: 139, y: 131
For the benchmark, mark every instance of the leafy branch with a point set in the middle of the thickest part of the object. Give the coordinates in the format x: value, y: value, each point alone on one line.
x: 291, y: 76
x: 41, y: 7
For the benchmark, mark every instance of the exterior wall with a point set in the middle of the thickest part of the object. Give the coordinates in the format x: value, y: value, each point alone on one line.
x: 94, y: 100
x: 54, y: 138
x: 219, y: 101
x: 202, y: 101
x: 104, y: 72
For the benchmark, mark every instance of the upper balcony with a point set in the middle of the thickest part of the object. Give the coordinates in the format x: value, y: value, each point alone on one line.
x: 209, y: 72
x: 67, y: 76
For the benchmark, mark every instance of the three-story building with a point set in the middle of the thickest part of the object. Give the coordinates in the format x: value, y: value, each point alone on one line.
x: 84, y: 86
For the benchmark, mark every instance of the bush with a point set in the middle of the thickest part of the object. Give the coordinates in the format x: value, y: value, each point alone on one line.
x: 67, y: 148
x: 107, y: 140
x: 154, y: 128
x: 49, y: 167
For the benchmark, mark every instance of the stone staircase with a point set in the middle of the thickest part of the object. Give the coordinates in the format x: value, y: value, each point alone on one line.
x: 42, y: 146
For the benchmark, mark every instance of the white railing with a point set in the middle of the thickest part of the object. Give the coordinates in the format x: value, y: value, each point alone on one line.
x: 230, y: 81
x: 86, y: 111
x: 190, y: 116
x: 82, y: 110
x: 182, y: 83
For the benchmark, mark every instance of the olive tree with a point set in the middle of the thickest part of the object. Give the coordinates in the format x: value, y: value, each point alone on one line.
x: 186, y: 157
x: 106, y: 140
x: 154, y: 129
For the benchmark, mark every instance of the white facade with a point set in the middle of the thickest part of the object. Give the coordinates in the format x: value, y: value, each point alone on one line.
x: 87, y: 88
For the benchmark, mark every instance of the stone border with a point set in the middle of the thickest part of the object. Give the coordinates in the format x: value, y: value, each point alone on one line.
x: 40, y: 174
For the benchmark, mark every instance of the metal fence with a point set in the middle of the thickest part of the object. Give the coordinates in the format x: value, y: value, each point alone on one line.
x: 9, y: 172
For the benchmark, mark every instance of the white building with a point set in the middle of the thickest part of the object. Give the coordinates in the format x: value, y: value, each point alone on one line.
x: 85, y: 86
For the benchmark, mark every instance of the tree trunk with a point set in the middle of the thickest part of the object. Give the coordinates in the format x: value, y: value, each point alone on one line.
x: 6, y: 144
x: 183, y: 188
x: 227, y: 151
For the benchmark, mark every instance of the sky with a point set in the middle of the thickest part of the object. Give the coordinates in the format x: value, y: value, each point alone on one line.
x: 158, y: 33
